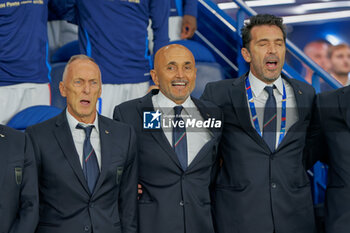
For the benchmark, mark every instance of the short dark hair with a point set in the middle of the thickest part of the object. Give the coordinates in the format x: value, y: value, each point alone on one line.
x: 258, y: 20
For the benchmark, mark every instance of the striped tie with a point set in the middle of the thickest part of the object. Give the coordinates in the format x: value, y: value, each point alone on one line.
x: 270, y: 119
x: 90, y: 165
x: 179, y: 138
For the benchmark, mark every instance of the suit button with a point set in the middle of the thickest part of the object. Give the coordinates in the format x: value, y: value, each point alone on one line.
x: 273, y: 185
x: 92, y: 205
x: 182, y: 203
x: 86, y: 228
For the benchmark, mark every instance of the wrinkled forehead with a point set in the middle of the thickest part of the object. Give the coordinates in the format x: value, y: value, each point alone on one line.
x: 266, y: 32
x: 84, y: 69
x: 79, y: 63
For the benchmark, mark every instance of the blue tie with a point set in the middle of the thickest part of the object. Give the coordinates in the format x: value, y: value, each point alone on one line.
x: 180, y: 139
x: 90, y: 165
x: 270, y: 119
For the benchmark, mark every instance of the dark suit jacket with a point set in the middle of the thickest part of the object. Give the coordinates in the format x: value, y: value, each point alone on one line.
x: 66, y: 204
x: 173, y: 201
x: 332, y: 116
x: 19, y: 206
x: 258, y: 191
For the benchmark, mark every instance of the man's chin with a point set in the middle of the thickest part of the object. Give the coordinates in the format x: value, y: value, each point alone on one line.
x: 270, y: 79
x: 179, y: 99
x: 86, y: 114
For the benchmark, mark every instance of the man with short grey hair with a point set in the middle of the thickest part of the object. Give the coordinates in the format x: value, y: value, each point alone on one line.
x: 87, y: 164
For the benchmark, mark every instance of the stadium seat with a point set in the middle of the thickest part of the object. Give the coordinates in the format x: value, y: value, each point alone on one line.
x: 33, y: 115
x: 56, y: 76
x: 206, y: 72
x: 199, y: 51
x: 319, y: 182
x: 64, y: 53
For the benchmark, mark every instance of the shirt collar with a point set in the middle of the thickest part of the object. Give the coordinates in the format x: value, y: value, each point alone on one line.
x: 258, y: 86
x: 74, y: 122
x: 166, y: 105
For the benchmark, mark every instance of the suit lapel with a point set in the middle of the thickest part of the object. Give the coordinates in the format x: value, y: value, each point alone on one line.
x: 344, y: 104
x: 146, y: 104
x: 65, y: 140
x: 299, y: 99
x: 206, y: 113
x: 106, y: 141
x: 300, y: 104
x: 4, y: 156
x: 240, y: 107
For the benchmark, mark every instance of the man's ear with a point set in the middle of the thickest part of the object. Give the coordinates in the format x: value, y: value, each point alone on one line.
x: 154, y: 77
x: 62, y: 89
x: 246, y: 55
x: 100, y: 92
x: 195, y: 75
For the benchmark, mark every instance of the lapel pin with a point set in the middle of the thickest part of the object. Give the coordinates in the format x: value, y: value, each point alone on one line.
x: 300, y: 92
x: 1, y: 135
x: 208, y: 115
x: 106, y: 131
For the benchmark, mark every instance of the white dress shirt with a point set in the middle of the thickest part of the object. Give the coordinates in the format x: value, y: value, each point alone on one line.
x: 79, y: 137
x: 260, y: 97
x: 196, y: 138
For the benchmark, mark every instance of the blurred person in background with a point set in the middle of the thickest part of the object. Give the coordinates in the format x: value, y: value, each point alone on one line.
x: 339, y: 57
x: 24, y: 67
x: 114, y: 33
x: 182, y: 21
x: 317, y: 50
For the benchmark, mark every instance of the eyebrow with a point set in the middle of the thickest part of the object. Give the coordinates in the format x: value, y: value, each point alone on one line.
x: 266, y: 40
x: 80, y: 78
x: 174, y: 63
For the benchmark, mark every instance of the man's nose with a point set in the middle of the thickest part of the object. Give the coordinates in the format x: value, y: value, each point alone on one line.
x: 86, y: 88
x: 272, y: 48
x: 180, y: 72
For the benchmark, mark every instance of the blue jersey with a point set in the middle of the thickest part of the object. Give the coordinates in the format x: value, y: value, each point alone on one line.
x: 183, y: 7
x: 23, y: 42
x: 114, y: 33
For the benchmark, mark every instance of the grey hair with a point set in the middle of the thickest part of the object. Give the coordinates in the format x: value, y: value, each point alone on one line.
x: 77, y: 57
